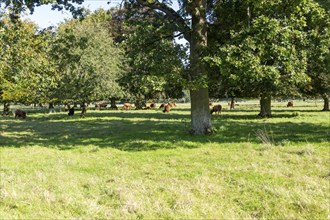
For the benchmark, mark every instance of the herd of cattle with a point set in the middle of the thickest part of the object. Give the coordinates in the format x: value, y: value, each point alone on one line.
x: 127, y: 106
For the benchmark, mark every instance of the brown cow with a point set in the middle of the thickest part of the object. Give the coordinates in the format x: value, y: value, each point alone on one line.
x: 100, y: 105
x: 217, y: 109
x: 290, y: 104
x: 127, y: 106
x: 162, y: 105
x: 167, y: 108
x: 20, y: 113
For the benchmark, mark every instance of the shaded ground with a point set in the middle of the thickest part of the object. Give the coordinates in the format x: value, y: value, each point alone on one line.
x: 150, y: 130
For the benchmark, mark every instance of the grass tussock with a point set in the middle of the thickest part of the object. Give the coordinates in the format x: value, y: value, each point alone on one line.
x: 145, y: 165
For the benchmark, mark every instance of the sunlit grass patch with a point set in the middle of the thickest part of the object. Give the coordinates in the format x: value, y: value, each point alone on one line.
x: 145, y: 164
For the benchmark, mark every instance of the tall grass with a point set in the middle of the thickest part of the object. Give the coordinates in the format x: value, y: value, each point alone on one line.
x: 144, y: 164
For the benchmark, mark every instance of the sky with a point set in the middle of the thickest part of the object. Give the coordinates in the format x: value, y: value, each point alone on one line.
x: 45, y: 17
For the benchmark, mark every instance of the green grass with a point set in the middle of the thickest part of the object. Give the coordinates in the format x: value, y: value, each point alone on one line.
x: 144, y: 164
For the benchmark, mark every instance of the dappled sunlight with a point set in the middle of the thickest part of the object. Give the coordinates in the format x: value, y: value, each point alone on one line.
x: 151, y: 129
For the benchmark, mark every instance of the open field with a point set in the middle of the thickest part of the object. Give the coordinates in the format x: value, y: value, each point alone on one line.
x: 144, y: 165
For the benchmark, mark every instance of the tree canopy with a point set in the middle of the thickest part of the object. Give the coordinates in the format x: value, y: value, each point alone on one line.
x: 254, y: 48
x: 89, y: 61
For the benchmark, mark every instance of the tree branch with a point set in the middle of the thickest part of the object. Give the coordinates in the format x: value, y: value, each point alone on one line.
x: 172, y: 15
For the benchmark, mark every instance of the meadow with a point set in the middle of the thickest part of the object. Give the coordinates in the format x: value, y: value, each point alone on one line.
x: 144, y: 164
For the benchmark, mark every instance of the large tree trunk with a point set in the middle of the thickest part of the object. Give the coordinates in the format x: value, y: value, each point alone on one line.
x: 200, y: 113
x: 197, y: 36
x: 265, y: 106
x: 232, y: 103
x: 83, y: 110
x: 6, y: 109
x: 138, y: 104
x: 113, y: 103
x: 51, y: 107
x: 326, y: 102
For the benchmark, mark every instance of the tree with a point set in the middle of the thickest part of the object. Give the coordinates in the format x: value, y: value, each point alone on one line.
x: 318, y: 65
x: 153, y: 57
x: 23, y: 61
x: 89, y: 61
x: 195, y: 32
x: 268, y: 56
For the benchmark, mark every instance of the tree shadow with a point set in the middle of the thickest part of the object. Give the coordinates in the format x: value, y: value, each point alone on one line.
x: 144, y: 131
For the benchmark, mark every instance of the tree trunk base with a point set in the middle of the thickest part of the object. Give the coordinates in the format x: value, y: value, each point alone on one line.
x: 265, y: 106
x: 113, y: 105
x: 6, y: 109
x: 83, y: 110
x: 264, y: 115
x: 200, y: 113
x: 326, y: 103
x: 232, y: 103
x: 139, y: 105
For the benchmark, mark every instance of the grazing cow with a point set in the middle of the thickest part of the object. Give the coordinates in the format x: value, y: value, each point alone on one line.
x: 20, y: 113
x: 167, y: 108
x: 217, y: 109
x: 127, y: 106
x: 149, y: 106
x: 290, y: 104
x: 162, y: 105
x: 71, y: 111
x: 100, y: 105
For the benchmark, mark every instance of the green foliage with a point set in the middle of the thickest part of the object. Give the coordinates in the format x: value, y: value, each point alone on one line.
x: 17, y: 7
x: 25, y: 68
x: 89, y: 62
x: 318, y: 41
x: 154, y: 59
x: 268, y: 49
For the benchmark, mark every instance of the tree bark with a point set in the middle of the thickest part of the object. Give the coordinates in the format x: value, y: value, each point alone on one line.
x: 138, y: 104
x: 265, y: 106
x: 200, y: 113
x: 232, y: 103
x: 196, y: 35
x: 6, y: 109
x: 83, y: 110
x: 326, y: 102
x: 51, y: 107
x: 113, y: 103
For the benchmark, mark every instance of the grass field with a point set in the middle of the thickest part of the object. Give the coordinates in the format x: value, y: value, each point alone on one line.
x: 145, y: 165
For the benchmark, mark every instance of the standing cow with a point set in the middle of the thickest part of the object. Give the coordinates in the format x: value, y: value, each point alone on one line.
x: 290, y: 104
x: 167, y: 108
x: 216, y: 108
x: 20, y: 113
x: 71, y: 111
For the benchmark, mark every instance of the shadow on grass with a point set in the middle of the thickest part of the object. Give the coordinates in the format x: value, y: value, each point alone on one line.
x: 144, y: 130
